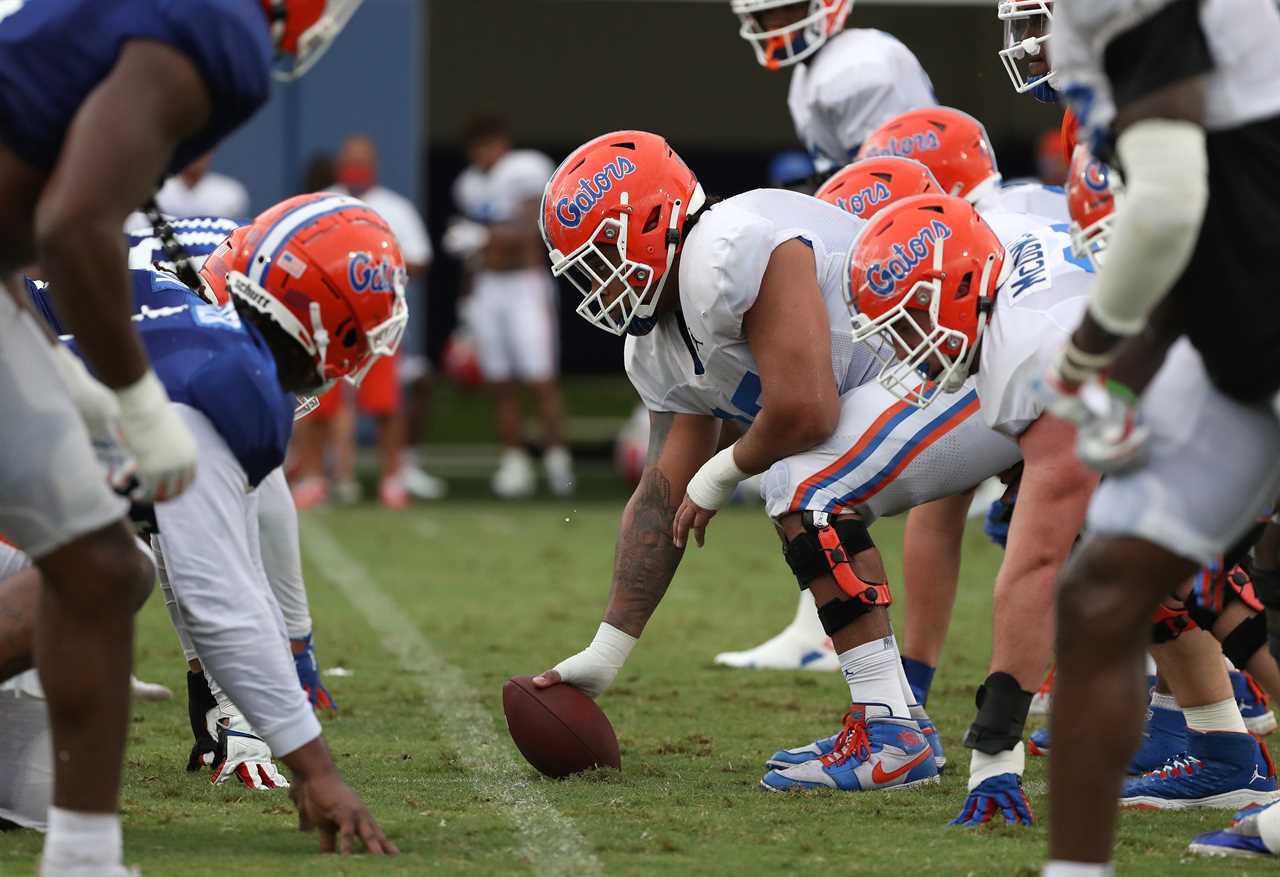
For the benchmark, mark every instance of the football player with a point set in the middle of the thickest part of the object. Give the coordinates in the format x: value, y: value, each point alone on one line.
x: 1198, y: 135
x: 316, y: 292
x: 509, y: 310
x: 845, y: 82
x: 98, y: 101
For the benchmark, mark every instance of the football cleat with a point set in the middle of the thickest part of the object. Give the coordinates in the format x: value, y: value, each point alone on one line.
x: 868, y: 754
x: 1243, y: 839
x: 789, y: 650
x: 1219, y: 769
x: 1001, y: 794
x: 1038, y: 742
x: 515, y: 477
x: 1254, y: 704
x: 1164, y: 737
x: 152, y: 691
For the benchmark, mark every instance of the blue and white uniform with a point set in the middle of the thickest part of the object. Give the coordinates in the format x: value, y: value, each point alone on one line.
x: 53, y: 53
x: 222, y: 377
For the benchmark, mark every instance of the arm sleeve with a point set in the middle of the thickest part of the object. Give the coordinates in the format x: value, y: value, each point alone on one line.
x: 231, y: 615
x: 281, y: 554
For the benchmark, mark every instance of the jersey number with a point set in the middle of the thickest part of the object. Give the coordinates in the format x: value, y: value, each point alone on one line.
x: 746, y: 398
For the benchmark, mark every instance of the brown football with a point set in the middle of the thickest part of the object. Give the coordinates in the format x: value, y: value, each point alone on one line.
x: 559, y: 730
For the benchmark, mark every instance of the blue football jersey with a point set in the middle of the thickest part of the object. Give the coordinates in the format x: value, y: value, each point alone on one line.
x: 207, y: 358
x: 53, y: 53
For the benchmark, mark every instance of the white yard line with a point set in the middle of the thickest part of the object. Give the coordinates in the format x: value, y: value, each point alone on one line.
x: 549, y: 841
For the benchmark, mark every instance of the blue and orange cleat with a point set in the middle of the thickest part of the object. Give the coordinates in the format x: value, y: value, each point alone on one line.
x: 930, y: 732
x: 1243, y: 839
x: 866, y: 755
x: 1219, y: 769
x: 1038, y: 742
x: 1164, y: 737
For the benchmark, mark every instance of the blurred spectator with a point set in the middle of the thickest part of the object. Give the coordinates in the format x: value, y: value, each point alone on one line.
x: 1050, y: 166
x: 318, y: 175
x: 198, y: 191
x: 510, y: 310
x: 333, y: 424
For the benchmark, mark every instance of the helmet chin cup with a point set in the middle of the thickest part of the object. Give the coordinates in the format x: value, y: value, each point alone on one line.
x: 640, y: 326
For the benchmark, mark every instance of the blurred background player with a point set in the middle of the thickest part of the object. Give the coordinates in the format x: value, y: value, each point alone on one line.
x: 510, y: 309
x: 97, y: 103
x: 845, y: 84
x: 333, y: 425
x: 199, y: 191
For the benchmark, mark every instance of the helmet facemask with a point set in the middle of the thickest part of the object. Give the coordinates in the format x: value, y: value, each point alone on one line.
x: 791, y: 43
x: 313, y: 42
x: 1021, y: 48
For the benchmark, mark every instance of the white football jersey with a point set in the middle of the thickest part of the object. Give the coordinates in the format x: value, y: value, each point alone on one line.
x: 1025, y: 198
x: 859, y: 80
x: 1043, y: 294
x: 496, y: 195
x: 696, y: 360
x: 1242, y: 37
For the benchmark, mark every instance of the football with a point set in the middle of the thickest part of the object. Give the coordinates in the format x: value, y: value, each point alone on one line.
x: 559, y: 730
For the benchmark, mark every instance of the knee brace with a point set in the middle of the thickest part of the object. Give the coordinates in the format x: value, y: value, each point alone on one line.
x: 1244, y: 641
x: 826, y: 548
x: 1002, y: 715
x: 1169, y: 624
x: 1212, y: 594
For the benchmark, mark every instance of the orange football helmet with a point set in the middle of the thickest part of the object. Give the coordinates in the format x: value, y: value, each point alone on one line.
x: 867, y: 186
x: 328, y: 271
x: 1092, y: 189
x: 303, y: 30
x: 611, y: 218
x: 923, y: 277
x: 784, y: 46
x: 952, y: 144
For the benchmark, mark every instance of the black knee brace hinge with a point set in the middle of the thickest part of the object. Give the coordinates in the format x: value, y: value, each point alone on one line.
x: 1002, y: 715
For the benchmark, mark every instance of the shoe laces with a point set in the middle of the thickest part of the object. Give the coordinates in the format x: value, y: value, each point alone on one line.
x: 1182, y: 764
x: 852, y: 740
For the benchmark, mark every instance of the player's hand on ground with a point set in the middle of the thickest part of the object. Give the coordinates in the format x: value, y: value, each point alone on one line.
x: 691, y: 516
x: 157, y: 438
x: 245, y: 756
x: 1000, y: 795
x: 328, y: 805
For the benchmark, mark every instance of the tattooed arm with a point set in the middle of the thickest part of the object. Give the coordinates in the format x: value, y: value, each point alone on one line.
x: 646, y: 558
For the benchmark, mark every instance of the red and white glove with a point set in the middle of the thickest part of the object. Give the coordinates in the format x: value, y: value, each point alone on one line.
x: 245, y: 756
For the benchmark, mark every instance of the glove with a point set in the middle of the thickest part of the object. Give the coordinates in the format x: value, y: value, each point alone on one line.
x: 94, y: 401
x: 998, y: 794
x: 245, y: 756
x: 594, y: 668
x: 999, y: 517
x: 309, y: 675
x: 1112, y: 437
x: 464, y: 238
x: 155, y: 435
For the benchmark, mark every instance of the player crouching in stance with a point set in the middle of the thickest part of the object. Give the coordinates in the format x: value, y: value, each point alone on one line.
x: 733, y: 312
x: 317, y: 293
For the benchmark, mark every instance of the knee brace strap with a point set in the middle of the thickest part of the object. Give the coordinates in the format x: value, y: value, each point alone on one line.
x: 1243, y: 643
x: 1002, y: 715
x: 1211, y: 595
x: 826, y: 548
x: 839, y: 614
x: 1168, y: 624
x: 1266, y: 586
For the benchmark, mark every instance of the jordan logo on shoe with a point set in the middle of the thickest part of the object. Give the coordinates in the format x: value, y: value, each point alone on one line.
x: 1256, y: 776
x: 879, y: 775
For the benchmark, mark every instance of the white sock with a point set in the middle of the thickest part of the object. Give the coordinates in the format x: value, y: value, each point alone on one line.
x: 1057, y: 868
x: 908, y: 695
x: 806, y: 625
x: 84, y: 841
x: 1164, y: 701
x: 872, y: 670
x: 1221, y: 716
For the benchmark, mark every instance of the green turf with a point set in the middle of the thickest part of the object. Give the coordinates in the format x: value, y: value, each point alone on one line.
x: 503, y: 590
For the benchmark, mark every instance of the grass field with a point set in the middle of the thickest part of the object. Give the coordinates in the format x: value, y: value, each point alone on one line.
x: 433, y: 609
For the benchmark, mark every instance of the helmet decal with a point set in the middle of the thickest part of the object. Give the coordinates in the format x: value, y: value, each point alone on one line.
x: 868, y: 196
x: 883, y: 277
x: 590, y: 190
x: 908, y: 146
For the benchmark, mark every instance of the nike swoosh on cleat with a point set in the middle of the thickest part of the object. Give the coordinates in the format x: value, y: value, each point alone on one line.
x: 879, y: 776
x: 810, y: 657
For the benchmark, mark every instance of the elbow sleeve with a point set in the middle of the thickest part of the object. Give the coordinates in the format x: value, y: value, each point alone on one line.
x: 1157, y: 221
